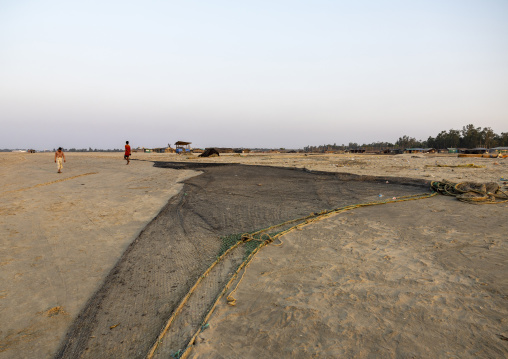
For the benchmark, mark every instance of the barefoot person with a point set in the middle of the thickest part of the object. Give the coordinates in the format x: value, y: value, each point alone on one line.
x: 59, y: 159
x: 127, y: 152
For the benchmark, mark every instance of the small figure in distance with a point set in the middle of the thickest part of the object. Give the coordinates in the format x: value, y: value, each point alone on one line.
x: 127, y: 152
x: 59, y: 157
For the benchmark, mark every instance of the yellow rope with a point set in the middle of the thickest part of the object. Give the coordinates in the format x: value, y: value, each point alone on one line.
x: 48, y: 183
x: 186, y: 299
x: 469, y: 165
x: 444, y: 187
x: 322, y: 215
x: 266, y: 239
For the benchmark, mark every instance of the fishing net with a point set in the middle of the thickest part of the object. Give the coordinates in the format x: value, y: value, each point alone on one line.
x: 164, y: 287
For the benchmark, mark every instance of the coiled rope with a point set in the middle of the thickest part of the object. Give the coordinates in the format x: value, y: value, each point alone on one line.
x: 472, y: 192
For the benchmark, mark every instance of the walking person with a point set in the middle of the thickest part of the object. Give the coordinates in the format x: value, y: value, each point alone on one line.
x: 127, y: 152
x: 59, y: 159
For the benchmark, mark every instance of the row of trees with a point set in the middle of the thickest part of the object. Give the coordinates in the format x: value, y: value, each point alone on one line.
x: 469, y: 137
x: 352, y: 145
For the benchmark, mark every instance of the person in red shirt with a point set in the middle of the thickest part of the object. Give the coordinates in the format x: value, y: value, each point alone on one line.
x: 127, y: 152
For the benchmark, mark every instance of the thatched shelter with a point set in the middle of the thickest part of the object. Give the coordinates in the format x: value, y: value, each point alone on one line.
x: 182, y: 146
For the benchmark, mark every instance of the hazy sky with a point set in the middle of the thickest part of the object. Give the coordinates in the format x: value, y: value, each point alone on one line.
x: 248, y: 73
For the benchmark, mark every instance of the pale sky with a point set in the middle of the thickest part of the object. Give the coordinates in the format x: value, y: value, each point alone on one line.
x: 248, y: 73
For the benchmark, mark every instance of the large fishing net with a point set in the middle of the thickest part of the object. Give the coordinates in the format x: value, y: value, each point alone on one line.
x: 160, y: 294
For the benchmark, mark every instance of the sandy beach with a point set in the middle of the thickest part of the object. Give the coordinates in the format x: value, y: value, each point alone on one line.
x: 416, y: 279
x: 62, y: 233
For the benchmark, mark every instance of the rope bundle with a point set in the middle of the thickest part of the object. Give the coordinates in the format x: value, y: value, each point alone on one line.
x: 472, y: 192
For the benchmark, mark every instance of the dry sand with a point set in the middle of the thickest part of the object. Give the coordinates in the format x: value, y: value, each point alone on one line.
x: 392, y: 281
x: 60, y: 239
x: 418, y: 279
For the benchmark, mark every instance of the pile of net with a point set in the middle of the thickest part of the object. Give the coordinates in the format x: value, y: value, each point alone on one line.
x: 210, y: 152
x: 479, y: 193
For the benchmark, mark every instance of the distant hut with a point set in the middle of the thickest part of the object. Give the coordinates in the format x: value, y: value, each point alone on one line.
x: 182, y: 146
x: 503, y: 150
x: 414, y: 150
x: 225, y: 150
x: 476, y: 151
x: 393, y: 151
x: 241, y: 150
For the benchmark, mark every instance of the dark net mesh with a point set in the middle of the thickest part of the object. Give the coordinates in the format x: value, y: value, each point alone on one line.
x: 129, y: 315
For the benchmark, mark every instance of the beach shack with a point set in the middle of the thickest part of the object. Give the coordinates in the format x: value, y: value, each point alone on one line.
x: 476, y: 151
x: 241, y: 150
x: 224, y: 150
x: 413, y: 150
x: 182, y: 146
x: 502, y: 150
x: 393, y: 151
x: 420, y: 150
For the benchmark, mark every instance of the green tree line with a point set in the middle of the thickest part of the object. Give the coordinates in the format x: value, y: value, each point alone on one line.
x: 469, y: 137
